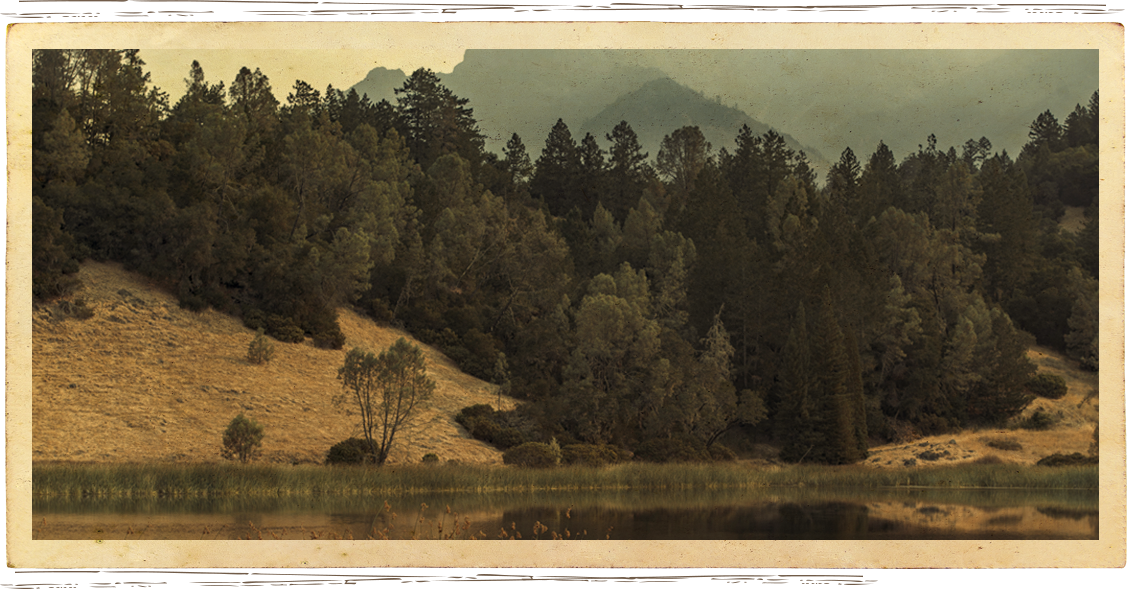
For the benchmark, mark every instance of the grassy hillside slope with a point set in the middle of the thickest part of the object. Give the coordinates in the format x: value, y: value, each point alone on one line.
x: 144, y: 380
x: 1076, y: 415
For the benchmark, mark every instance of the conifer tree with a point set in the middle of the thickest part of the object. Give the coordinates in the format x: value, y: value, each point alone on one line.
x: 556, y: 178
x: 591, y: 186
x: 627, y: 171
x: 435, y: 122
x: 880, y: 185
x: 681, y: 158
x: 796, y: 414
x: 834, y: 407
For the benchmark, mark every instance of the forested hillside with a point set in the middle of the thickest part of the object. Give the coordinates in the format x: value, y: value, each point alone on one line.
x: 656, y: 302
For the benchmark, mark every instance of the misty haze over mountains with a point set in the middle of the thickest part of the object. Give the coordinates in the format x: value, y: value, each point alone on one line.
x: 526, y: 92
x: 821, y: 100
x: 662, y: 106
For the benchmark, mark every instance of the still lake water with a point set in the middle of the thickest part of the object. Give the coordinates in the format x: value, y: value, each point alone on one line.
x: 755, y: 514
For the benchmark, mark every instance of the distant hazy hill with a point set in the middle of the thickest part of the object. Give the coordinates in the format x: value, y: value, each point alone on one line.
x: 525, y: 92
x: 662, y: 106
x: 380, y: 84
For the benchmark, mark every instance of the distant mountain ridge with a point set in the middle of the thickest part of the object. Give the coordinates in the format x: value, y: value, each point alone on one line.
x: 526, y: 92
x: 662, y: 106
x: 380, y: 83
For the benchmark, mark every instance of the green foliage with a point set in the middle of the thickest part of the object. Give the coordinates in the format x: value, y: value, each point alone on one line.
x: 430, y: 458
x: 493, y: 427
x: 584, y: 283
x: 260, y: 350
x: 386, y: 391
x: 283, y: 329
x: 473, y: 412
x: 499, y: 435
x: 1048, y: 386
x: 678, y: 449
x: 350, y: 451
x: 52, y: 264
x: 532, y: 455
x: 435, y: 121
x: 332, y: 339
x: 1074, y: 459
x: 721, y: 453
x: 589, y: 454
x: 1039, y: 420
x: 254, y: 319
x: 242, y: 439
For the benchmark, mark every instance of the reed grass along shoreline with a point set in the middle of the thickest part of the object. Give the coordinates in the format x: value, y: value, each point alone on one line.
x: 220, y: 480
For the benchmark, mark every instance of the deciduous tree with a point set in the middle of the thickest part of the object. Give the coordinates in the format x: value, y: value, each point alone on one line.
x: 387, y: 391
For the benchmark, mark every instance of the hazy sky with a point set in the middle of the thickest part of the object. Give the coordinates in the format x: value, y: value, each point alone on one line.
x: 828, y: 99
x: 340, y: 67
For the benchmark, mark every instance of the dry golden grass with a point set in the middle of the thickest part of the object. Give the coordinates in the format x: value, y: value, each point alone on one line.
x: 1073, y: 219
x: 1072, y: 433
x: 146, y: 381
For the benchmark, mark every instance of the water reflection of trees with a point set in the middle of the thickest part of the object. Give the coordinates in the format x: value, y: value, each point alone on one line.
x: 681, y: 515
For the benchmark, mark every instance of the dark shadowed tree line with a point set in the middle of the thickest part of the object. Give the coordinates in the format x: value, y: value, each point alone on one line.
x: 692, y: 296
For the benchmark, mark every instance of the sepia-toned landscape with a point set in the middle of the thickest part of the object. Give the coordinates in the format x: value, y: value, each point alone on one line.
x: 598, y: 295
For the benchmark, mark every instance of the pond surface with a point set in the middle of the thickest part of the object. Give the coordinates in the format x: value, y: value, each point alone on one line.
x: 756, y: 514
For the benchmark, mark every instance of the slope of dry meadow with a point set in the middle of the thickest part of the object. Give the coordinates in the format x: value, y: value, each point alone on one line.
x: 146, y: 381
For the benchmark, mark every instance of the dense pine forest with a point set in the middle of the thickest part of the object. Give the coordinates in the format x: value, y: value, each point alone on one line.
x: 657, y: 303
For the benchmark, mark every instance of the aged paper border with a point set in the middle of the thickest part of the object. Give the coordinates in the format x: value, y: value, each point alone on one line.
x: 1108, y: 551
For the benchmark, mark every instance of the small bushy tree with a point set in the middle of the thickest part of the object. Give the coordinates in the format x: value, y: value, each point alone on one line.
x: 1049, y: 386
x: 260, y: 350
x: 386, y: 390
x: 350, y: 451
x: 533, y: 455
x: 242, y: 439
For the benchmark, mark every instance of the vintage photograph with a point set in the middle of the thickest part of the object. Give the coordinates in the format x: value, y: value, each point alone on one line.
x: 725, y: 291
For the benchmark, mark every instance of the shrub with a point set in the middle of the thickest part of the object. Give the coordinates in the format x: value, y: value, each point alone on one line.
x: 380, y: 311
x: 329, y: 340
x: 350, y: 451
x: 76, y: 309
x: 430, y: 458
x: 680, y: 449
x: 504, y: 437
x: 481, y: 354
x: 1049, y: 386
x: 242, y: 439
x: 260, y: 350
x: 254, y: 319
x: 532, y: 455
x: 473, y: 412
x: 283, y: 329
x: 1073, y: 459
x: 1008, y: 444
x: 191, y: 301
x: 491, y: 427
x: 932, y: 456
x: 323, y: 326
x: 589, y: 454
x: 1039, y: 420
x: 721, y: 453
x: 508, y: 437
